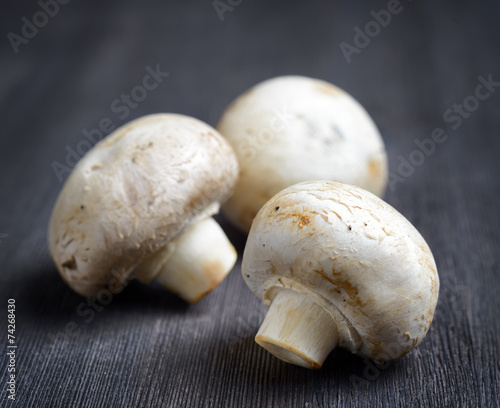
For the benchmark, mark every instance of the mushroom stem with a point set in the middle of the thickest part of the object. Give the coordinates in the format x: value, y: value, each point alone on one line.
x: 192, y: 264
x: 298, y: 330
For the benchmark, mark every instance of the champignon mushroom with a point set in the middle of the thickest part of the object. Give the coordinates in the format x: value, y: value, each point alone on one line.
x: 338, y: 267
x: 292, y: 129
x: 139, y: 204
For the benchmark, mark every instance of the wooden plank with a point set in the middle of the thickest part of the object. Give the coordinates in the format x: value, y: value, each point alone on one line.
x: 147, y: 347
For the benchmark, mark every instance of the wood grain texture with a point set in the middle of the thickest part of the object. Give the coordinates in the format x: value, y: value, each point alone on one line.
x: 146, y: 347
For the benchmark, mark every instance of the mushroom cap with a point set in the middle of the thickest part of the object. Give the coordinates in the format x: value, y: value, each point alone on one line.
x: 135, y: 191
x: 351, y: 253
x: 291, y: 129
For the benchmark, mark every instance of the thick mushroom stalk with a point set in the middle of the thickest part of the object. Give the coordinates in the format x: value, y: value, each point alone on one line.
x: 338, y: 267
x: 192, y: 264
x: 298, y: 330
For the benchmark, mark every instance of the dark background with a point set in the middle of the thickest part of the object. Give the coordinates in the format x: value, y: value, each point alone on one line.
x: 149, y: 348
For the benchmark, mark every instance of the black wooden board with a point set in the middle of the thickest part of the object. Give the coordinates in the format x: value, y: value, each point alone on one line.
x: 149, y: 348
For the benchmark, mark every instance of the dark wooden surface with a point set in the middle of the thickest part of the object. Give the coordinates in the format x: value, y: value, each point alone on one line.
x: 147, y: 347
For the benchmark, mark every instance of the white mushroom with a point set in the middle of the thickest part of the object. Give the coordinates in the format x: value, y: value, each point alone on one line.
x: 292, y: 129
x: 338, y: 267
x: 139, y: 204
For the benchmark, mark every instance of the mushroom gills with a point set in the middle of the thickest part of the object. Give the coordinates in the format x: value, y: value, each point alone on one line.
x: 192, y: 264
x: 298, y: 330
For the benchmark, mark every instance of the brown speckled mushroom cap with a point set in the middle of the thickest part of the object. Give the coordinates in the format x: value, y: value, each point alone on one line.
x: 292, y: 129
x: 351, y: 254
x: 133, y: 193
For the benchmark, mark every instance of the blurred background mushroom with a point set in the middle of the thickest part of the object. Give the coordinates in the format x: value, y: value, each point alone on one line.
x: 291, y: 129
